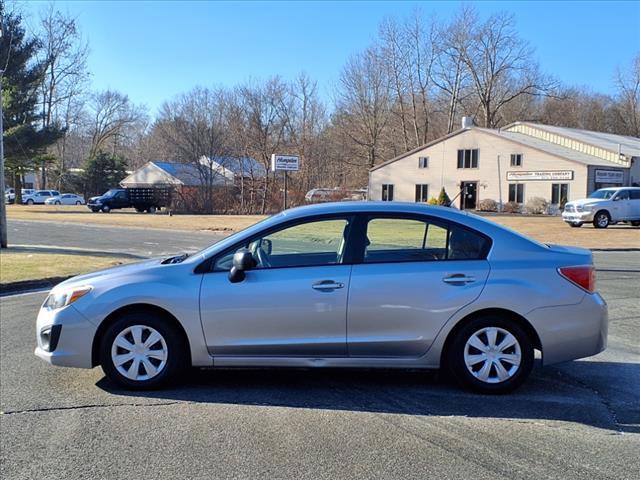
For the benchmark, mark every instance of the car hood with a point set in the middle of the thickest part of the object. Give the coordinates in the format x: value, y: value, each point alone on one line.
x: 93, y: 199
x: 110, y: 274
x: 587, y: 201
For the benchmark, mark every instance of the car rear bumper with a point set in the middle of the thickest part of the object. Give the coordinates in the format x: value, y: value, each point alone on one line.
x: 74, y: 338
x: 572, y: 331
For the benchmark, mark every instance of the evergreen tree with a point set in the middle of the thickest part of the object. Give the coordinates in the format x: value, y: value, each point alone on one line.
x: 102, y: 172
x: 443, y: 198
x: 22, y: 72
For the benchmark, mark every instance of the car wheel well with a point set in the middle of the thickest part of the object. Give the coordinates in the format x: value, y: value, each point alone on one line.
x: 504, y: 313
x: 138, y: 307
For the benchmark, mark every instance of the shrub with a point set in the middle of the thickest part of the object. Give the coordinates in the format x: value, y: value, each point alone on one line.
x: 536, y: 205
x: 487, y: 205
x: 443, y: 198
x: 511, y: 207
x: 433, y: 201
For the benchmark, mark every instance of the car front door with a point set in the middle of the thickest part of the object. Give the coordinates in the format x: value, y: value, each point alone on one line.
x: 293, y: 303
x: 621, y: 206
x: 415, y: 274
x: 634, y: 204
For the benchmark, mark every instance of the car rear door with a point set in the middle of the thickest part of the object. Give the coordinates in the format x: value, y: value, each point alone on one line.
x: 415, y: 273
x: 294, y: 303
x: 634, y: 204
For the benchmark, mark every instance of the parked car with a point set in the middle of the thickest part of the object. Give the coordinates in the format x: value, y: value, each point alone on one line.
x: 9, y: 195
x: 39, y: 196
x: 354, y: 284
x: 604, y: 207
x: 142, y: 199
x: 65, y: 199
x: 26, y: 191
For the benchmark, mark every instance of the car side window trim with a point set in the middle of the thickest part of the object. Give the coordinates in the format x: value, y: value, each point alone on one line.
x: 347, y: 259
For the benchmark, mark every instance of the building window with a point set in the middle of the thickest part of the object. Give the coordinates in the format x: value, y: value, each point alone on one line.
x: 423, y: 162
x: 422, y: 192
x: 516, y: 192
x: 516, y: 159
x: 387, y: 192
x: 468, y: 158
x: 559, y: 193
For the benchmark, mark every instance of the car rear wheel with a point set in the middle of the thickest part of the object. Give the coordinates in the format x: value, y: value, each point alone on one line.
x: 142, y: 351
x: 57, y: 202
x: 491, y: 354
x: 78, y: 202
x: 30, y: 202
x: 601, y: 219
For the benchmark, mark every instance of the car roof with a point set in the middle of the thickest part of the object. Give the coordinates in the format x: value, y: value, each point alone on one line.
x: 618, y: 188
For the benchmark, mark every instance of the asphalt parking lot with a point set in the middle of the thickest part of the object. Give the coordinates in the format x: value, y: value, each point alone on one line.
x: 575, y: 420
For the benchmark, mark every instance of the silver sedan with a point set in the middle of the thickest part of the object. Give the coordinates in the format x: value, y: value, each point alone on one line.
x: 336, y: 285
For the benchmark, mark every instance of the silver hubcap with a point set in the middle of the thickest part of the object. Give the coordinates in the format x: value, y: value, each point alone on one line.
x: 602, y: 220
x: 492, y: 355
x: 139, y: 352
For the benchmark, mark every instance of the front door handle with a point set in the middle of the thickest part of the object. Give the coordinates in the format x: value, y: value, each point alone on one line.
x: 327, y: 285
x: 459, y: 278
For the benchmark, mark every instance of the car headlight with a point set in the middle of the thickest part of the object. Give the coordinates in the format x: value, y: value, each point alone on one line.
x: 65, y: 297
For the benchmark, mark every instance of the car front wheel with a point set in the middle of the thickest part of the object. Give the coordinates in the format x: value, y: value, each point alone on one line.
x: 142, y: 351
x: 576, y: 224
x: 106, y: 209
x: 491, y: 355
x: 601, y: 219
x: 30, y: 202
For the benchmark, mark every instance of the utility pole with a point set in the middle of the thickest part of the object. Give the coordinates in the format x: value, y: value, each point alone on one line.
x: 3, y: 207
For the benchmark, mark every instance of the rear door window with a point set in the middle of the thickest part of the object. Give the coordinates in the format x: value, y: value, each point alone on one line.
x: 412, y: 239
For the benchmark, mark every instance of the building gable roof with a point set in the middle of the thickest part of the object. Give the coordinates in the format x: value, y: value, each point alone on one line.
x: 518, y: 138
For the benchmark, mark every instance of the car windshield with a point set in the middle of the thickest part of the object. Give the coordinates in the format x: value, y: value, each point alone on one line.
x: 604, y: 194
x: 110, y: 193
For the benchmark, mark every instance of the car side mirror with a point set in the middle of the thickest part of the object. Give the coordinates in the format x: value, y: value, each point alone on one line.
x: 615, y: 199
x: 242, y: 261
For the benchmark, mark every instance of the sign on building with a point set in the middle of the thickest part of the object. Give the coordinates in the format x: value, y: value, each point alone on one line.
x: 288, y: 163
x: 540, y: 175
x: 609, y: 176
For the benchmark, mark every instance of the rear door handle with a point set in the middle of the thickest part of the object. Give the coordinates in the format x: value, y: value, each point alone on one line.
x: 458, y: 278
x: 327, y: 285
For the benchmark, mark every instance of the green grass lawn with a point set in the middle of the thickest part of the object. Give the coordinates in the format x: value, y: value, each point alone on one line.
x: 20, y: 265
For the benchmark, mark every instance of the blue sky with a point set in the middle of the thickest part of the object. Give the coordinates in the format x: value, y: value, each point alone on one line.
x: 153, y: 50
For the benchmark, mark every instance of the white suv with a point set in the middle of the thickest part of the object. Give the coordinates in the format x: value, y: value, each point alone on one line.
x: 39, y: 196
x: 604, y: 207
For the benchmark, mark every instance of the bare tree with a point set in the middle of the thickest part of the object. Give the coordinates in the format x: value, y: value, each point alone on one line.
x: 63, y: 54
x: 501, y: 67
x: 363, y: 103
x: 193, y: 127
x: 628, y: 97
x: 112, y: 116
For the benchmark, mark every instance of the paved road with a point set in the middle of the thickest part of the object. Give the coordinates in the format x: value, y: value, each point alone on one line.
x: 576, y: 420
x: 136, y: 241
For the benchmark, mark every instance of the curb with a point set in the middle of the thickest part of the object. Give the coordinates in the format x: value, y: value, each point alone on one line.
x: 29, y: 285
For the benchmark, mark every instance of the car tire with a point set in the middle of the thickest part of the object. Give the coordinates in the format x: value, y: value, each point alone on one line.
x: 57, y: 203
x: 106, y: 209
x: 514, y: 361
x: 30, y: 202
x: 145, y: 366
x: 151, y: 210
x: 576, y: 224
x: 635, y: 224
x: 139, y: 210
x: 601, y: 219
x: 95, y: 210
x: 78, y: 202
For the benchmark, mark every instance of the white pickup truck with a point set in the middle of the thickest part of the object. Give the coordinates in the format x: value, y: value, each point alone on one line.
x: 604, y: 207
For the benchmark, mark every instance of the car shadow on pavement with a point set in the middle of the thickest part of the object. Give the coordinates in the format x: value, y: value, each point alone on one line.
x: 573, y: 392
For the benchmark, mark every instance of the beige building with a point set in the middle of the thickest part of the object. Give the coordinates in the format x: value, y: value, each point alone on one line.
x: 515, y: 163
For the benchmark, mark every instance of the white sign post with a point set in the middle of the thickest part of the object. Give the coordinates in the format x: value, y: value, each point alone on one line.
x: 286, y: 163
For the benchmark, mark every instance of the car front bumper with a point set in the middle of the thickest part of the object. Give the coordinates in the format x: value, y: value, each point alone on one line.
x: 577, y: 217
x: 569, y: 332
x: 75, y: 334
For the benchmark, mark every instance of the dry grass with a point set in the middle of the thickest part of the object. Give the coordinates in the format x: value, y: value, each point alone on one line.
x: 18, y: 265
x: 542, y: 228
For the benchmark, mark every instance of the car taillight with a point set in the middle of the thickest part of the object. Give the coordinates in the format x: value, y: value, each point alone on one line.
x: 583, y: 276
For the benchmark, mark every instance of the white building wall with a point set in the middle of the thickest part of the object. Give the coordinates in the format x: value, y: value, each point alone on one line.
x: 404, y: 174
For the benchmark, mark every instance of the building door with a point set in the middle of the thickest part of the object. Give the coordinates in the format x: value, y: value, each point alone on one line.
x: 469, y: 196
